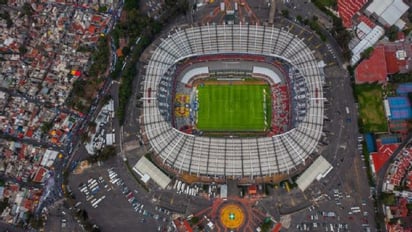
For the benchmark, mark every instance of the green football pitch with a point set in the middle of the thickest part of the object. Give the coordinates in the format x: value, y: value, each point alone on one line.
x: 234, y: 107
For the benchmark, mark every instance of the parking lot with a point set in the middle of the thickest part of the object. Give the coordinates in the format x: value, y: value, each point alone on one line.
x: 104, y: 193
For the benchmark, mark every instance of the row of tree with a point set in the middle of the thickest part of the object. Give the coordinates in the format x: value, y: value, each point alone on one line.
x: 139, y: 25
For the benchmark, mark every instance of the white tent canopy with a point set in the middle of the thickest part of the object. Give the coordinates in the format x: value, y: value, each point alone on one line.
x: 145, y: 168
x: 319, y: 169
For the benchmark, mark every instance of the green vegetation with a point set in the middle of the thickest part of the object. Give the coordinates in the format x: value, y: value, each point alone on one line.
x: 367, y: 53
x: 27, y: 9
x: 46, y: 127
x: 3, y: 204
x: 131, y: 4
x: 342, y: 36
x: 100, y: 57
x: 372, y: 114
x: 325, y: 3
x: 388, y: 198
x: 6, y: 16
x: 36, y: 222
x: 102, y: 9
x: 85, y: 48
x: 103, y: 155
x: 314, y: 25
x: 285, y: 13
x: 84, y: 90
x: 175, y: 7
x: 392, y: 33
x: 409, y: 206
x: 134, y: 26
x: 266, y: 225
x: 339, y: 32
x: 234, y: 107
x: 22, y: 50
x: 194, y: 221
x: 401, y: 77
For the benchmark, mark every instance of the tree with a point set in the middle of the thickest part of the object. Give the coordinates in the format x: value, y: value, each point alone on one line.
x: 285, y: 13
x: 103, y: 9
x: 131, y: 4
x: 36, y: 222
x: 6, y: 16
x: 125, y: 50
x: 84, y: 137
x: 27, y: 9
x: 388, y: 198
x: 410, y: 97
x: 22, y: 50
x: 367, y: 53
x: 392, y: 33
x: 106, y: 99
x: 3, y: 204
x: 92, y: 125
x: 46, y: 127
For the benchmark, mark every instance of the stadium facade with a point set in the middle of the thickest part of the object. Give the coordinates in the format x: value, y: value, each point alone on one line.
x: 243, y: 157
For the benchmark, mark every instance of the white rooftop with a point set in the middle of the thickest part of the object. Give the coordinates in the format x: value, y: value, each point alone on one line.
x: 144, y: 167
x: 319, y: 169
x: 388, y: 11
x: 369, y: 41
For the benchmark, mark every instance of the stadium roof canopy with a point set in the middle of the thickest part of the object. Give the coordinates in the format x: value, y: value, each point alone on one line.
x: 194, y: 72
x: 238, y: 156
x: 145, y: 167
x: 268, y: 72
x: 319, y: 169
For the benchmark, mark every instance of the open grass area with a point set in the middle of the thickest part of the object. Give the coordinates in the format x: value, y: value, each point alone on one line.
x: 371, y: 110
x: 234, y: 108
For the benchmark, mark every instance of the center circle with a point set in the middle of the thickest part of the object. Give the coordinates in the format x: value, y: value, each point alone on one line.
x: 232, y: 216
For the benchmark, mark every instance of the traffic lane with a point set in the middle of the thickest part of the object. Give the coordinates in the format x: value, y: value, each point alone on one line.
x: 55, y: 217
x: 7, y: 227
x: 339, y: 98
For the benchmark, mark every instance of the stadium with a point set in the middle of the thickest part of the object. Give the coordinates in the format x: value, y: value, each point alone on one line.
x: 232, y: 101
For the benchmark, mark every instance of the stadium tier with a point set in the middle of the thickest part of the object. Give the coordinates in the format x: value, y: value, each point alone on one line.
x: 233, y: 156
